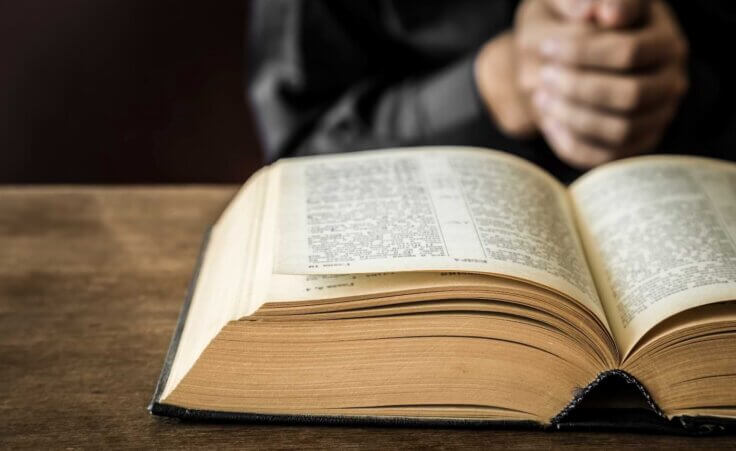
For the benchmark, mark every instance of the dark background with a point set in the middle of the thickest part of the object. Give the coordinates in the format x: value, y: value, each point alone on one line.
x: 124, y: 91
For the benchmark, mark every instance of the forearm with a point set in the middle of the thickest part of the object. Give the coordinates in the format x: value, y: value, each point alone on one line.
x: 320, y: 86
x: 428, y: 109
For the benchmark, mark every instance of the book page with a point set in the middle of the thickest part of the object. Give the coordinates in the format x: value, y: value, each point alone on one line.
x: 432, y: 209
x: 256, y: 276
x: 320, y: 287
x: 218, y: 283
x: 660, y: 232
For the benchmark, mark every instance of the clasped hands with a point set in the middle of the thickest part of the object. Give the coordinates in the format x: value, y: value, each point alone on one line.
x: 599, y: 79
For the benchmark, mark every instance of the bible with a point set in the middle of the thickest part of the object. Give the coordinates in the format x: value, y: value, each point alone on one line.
x: 457, y: 285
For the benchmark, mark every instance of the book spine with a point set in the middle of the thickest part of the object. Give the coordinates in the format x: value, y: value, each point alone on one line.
x: 582, y: 393
x: 183, y: 314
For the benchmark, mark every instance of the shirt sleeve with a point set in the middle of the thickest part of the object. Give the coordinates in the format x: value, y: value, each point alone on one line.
x: 326, y: 78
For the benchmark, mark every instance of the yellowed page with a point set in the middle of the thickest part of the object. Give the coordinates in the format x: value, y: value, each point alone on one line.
x: 216, y: 297
x: 430, y: 209
x: 660, y: 232
x: 257, y: 276
x: 314, y: 287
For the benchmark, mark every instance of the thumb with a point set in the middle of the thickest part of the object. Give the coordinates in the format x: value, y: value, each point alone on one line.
x: 580, y: 10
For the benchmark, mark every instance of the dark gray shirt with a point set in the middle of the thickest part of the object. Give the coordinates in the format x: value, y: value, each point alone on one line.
x: 338, y: 76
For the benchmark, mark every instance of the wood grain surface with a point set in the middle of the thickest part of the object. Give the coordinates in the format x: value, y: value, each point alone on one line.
x: 91, y: 282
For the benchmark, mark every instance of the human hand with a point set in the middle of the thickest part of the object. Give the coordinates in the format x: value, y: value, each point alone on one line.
x: 600, y: 92
x: 495, y: 78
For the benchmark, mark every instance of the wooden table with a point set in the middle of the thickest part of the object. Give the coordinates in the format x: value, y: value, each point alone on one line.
x: 91, y: 282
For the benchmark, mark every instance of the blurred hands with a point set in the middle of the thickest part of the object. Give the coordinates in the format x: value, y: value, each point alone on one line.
x: 604, y: 76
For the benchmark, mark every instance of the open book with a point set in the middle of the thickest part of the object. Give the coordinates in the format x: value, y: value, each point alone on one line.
x: 461, y: 284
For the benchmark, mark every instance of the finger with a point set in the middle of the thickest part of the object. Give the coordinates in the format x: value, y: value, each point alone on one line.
x: 537, y: 22
x: 607, y: 13
x: 584, y: 154
x: 614, y: 91
x: 619, y: 13
x: 572, y: 150
x: 580, y: 10
x: 608, y: 128
x: 658, y: 42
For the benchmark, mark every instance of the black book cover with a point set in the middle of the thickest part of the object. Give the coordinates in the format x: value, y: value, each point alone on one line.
x: 587, y: 411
